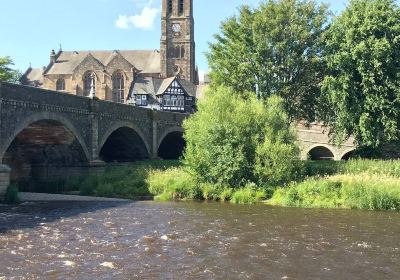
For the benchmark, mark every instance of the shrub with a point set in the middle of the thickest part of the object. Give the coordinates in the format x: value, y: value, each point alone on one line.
x: 232, y: 141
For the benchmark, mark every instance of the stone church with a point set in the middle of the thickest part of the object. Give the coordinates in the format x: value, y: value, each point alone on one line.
x: 165, y: 79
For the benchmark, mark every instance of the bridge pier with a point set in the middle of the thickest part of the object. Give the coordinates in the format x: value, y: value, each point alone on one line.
x: 4, y: 180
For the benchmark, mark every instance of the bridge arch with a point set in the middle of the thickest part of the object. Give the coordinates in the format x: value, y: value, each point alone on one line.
x: 320, y: 152
x: 123, y: 142
x: 45, y: 116
x: 171, y: 144
x: 347, y: 154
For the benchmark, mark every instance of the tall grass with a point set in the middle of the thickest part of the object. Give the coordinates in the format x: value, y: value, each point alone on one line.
x: 323, y: 168
x: 372, y: 191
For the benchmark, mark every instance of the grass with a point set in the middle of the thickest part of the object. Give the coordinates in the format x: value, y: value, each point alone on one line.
x: 369, y: 191
x: 356, y: 184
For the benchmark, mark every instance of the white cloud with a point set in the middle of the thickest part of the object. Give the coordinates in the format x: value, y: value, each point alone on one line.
x: 145, y: 20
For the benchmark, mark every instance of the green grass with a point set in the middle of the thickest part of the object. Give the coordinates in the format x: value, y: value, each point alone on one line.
x: 369, y: 191
x: 125, y: 181
x: 359, y: 184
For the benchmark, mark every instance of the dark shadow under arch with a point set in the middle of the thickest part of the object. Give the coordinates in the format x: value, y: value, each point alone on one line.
x: 172, y: 146
x: 348, y: 155
x: 321, y: 153
x: 123, y: 145
x: 40, y: 145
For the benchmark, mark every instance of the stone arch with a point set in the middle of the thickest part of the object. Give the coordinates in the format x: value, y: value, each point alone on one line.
x: 347, y: 154
x: 172, y: 137
x: 124, y: 126
x: 42, y: 117
x: 320, y: 152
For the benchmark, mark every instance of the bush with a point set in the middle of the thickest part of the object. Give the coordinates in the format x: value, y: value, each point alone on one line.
x: 12, y: 194
x: 232, y: 141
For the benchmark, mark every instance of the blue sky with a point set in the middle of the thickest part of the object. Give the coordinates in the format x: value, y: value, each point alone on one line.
x: 30, y: 29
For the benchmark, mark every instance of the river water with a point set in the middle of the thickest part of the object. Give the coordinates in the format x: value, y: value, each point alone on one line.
x: 150, y: 240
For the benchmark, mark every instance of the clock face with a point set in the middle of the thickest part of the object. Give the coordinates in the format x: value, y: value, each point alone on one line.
x: 176, y: 27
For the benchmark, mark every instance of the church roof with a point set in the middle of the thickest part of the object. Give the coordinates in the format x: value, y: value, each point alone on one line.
x: 146, y: 61
x: 33, y: 77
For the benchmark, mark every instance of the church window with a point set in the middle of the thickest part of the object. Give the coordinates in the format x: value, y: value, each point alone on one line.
x: 60, y: 85
x: 170, y: 6
x: 118, y: 87
x: 181, y: 7
x: 87, y: 82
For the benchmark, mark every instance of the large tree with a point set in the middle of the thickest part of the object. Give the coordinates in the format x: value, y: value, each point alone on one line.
x: 273, y: 49
x: 6, y: 73
x: 362, y: 88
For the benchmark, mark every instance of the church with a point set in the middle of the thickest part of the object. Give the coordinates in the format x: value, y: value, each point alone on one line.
x: 165, y: 79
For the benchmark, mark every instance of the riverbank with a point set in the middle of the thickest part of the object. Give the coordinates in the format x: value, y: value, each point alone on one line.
x: 356, y: 184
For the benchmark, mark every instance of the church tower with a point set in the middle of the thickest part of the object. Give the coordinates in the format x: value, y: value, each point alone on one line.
x: 177, y: 46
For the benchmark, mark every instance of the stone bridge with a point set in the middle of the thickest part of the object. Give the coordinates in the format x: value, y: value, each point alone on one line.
x: 50, y: 134
x: 47, y: 134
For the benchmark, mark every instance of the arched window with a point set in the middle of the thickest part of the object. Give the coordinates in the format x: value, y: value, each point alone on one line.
x: 87, y: 82
x: 181, y: 6
x: 118, y: 87
x: 60, y: 85
x: 170, y: 6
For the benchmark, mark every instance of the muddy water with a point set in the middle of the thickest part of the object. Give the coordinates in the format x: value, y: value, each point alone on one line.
x: 149, y: 240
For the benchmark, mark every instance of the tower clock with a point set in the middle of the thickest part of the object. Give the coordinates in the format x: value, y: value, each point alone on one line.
x: 177, y: 44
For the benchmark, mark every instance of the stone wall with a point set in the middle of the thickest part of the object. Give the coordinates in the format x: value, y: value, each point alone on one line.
x: 4, y: 180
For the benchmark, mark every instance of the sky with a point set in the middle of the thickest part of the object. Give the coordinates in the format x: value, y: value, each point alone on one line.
x: 31, y: 29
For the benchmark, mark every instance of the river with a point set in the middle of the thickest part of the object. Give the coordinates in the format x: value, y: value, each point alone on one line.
x: 193, y: 240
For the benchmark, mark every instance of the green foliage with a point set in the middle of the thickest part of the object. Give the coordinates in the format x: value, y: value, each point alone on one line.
x: 173, y: 184
x: 129, y: 181
x: 274, y: 49
x: 363, y: 86
x: 12, y: 194
x: 231, y: 141
x: 362, y: 191
x: 6, y: 73
x: 250, y: 194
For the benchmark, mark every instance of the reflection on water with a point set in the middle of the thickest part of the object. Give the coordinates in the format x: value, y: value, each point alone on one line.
x: 149, y: 240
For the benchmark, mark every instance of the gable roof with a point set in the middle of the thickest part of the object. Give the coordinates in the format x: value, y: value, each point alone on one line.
x: 154, y: 86
x: 146, y: 61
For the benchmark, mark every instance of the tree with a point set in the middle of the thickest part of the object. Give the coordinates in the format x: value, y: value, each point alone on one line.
x: 363, y: 85
x: 233, y: 142
x: 274, y: 49
x: 6, y: 73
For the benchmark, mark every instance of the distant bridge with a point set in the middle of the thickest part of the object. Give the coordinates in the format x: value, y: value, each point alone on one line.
x: 50, y: 134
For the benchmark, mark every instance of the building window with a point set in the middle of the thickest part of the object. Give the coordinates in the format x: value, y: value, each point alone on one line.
x: 181, y: 6
x: 60, y: 85
x: 118, y: 87
x: 170, y: 6
x: 141, y: 100
x: 87, y: 82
